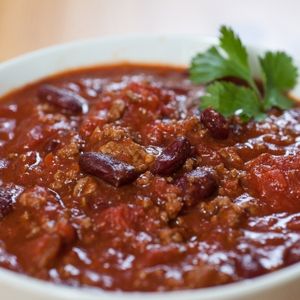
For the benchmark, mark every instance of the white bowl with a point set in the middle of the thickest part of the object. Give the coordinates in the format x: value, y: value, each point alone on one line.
x: 175, y: 50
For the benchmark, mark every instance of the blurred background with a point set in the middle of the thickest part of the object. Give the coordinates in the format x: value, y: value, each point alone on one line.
x: 26, y: 25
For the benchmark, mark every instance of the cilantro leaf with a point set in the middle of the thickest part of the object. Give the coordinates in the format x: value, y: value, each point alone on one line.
x: 233, y: 46
x: 229, y: 59
x: 279, y: 70
x: 208, y: 66
x: 230, y: 99
x: 280, y: 75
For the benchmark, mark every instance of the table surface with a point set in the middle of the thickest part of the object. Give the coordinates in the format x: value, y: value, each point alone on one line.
x: 26, y: 25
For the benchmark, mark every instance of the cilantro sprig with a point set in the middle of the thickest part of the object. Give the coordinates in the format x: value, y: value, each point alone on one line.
x: 230, y: 59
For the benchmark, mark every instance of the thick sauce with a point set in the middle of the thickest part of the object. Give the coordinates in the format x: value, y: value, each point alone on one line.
x: 110, y: 178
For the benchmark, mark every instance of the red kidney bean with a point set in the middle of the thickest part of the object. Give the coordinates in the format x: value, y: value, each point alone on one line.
x: 216, y: 124
x: 63, y: 98
x: 6, y: 202
x: 197, y: 185
x: 172, y: 157
x: 107, y: 168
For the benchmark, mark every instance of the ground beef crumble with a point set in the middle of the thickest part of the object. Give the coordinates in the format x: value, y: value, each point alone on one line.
x: 212, y: 216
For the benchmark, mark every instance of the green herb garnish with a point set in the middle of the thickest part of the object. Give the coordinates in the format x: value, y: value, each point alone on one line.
x: 230, y: 59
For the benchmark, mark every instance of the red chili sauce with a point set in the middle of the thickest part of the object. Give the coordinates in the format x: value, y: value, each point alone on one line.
x: 111, y: 177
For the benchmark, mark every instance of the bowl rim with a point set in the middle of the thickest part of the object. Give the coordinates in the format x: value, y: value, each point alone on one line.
x: 106, y: 38
x: 58, y: 291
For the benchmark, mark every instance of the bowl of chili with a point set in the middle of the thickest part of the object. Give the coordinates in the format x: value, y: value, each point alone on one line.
x: 115, y: 185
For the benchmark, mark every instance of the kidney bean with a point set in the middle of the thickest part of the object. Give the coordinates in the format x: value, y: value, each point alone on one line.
x: 107, y: 168
x: 197, y: 185
x: 6, y: 202
x: 63, y: 98
x: 172, y: 157
x: 216, y: 124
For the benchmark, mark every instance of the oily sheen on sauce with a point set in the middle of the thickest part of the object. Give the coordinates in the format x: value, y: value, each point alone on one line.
x: 110, y: 177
